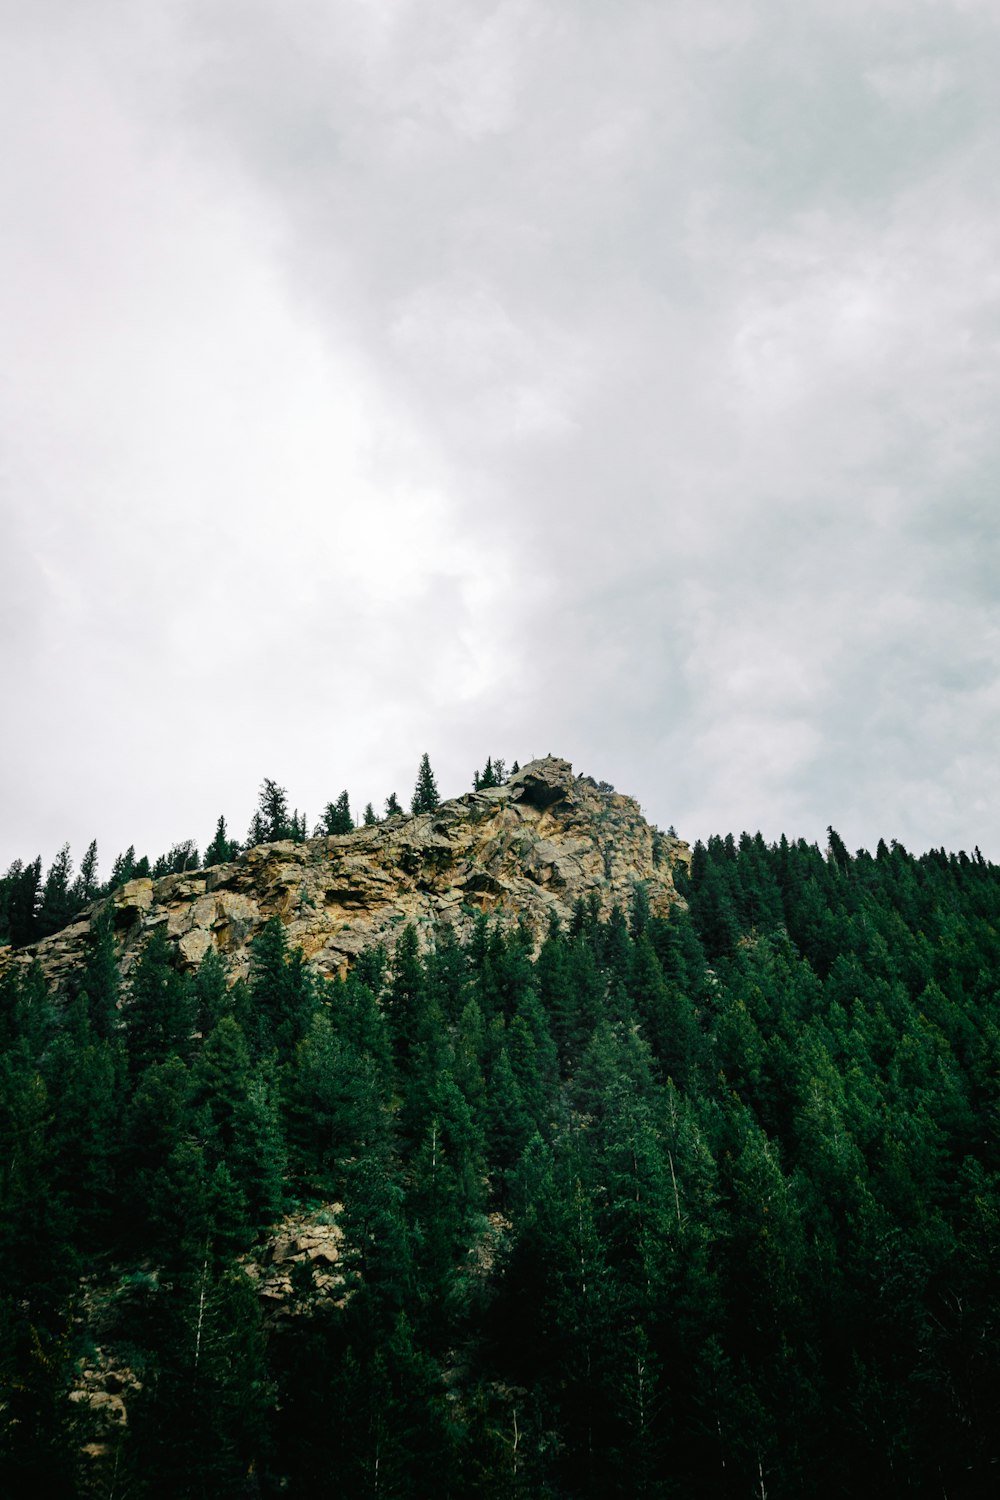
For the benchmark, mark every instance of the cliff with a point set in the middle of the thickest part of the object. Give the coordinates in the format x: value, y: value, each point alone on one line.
x: 528, y: 849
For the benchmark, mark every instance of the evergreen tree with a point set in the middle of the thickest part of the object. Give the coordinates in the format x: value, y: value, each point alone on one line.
x: 23, y: 897
x: 392, y: 805
x: 180, y: 857
x: 272, y: 820
x: 159, y: 1016
x: 489, y: 777
x: 222, y: 849
x: 101, y: 987
x: 336, y: 817
x: 369, y: 818
x: 281, y: 996
x: 85, y: 887
x: 213, y: 998
x: 425, y: 793
x: 56, y: 905
x: 123, y: 870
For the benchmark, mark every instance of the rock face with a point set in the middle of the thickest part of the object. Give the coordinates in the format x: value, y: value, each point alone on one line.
x: 298, y: 1265
x: 530, y: 849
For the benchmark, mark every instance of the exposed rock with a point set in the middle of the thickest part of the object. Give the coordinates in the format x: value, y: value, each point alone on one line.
x: 133, y: 900
x: 297, y: 1267
x: 529, y: 849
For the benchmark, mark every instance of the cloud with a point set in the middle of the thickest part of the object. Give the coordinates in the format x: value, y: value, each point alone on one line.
x: 496, y: 378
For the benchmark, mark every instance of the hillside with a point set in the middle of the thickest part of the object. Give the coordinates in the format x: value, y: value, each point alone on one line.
x: 508, y: 1151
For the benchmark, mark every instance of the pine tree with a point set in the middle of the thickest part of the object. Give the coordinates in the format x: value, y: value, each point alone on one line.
x: 336, y: 817
x: 123, y: 869
x: 85, y: 886
x: 425, y: 793
x: 213, y: 999
x: 160, y: 1013
x: 282, y: 993
x: 392, y: 805
x: 180, y: 857
x: 222, y: 849
x: 481, y: 783
x: 271, y: 821
x: 56, y: 905
x: 101, y: 985
x: 23, y: 882
x: 369, y: 818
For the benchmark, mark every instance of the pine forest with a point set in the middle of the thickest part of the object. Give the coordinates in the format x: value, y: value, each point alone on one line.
x: 704, y: 1203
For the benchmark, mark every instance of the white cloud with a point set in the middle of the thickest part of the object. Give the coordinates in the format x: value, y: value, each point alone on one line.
x: 495, y: 379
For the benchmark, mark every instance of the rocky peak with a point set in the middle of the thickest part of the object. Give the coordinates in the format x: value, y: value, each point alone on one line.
x: 528, y: 849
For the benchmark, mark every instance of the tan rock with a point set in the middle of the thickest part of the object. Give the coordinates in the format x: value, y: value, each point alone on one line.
x: 133, y: 899
x: 527, y: 850
x: 193, y: 946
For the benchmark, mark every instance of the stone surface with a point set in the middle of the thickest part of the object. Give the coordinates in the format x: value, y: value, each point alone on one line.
x: 529, y: 849
x: 297, y: 1266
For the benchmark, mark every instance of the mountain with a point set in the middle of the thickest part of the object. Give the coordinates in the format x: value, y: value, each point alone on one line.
x: 509, y: 1150
x: 528, y: 850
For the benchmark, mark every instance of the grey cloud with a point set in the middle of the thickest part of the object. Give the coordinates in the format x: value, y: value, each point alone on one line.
x: 525, y: 376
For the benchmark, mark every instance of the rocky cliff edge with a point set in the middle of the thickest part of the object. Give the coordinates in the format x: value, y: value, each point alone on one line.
x: 530, y: 848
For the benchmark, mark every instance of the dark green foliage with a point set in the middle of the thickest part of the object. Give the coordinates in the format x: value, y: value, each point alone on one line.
x: 272, y: 820
x: 222, y: 848
x: 159, y: 1014
x: 425, y: 793
x: 494, y: 773
x: 706, y: 1204
x: 21, y: 893
x: 101, y: 987
x: 85, y: 887
x: 57, y: 902
x: 181, y: 857
x: 336, y: 817
x: 281, y: 995
x: 124, y: 869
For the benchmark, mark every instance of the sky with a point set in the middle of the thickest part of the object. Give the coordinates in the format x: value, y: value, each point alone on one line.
x: 386, y: 376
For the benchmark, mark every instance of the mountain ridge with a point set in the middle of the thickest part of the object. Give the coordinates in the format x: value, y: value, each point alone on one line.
x: 529, y: 849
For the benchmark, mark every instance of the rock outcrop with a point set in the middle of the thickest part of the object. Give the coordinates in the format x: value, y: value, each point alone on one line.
x: 297, y: 1266
x: 528, y: 849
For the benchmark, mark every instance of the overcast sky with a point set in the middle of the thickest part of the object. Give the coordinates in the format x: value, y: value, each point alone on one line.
x: 615, y: 380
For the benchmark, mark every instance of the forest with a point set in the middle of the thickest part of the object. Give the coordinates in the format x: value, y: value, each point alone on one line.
x: 705, y: 1204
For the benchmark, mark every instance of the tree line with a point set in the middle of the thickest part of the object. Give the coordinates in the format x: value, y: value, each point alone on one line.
x: 697, y: 1205
x: 33, y: 907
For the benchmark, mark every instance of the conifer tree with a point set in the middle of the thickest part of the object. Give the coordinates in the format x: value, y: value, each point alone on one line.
x: 123, y: 869
x: 85, y: 886
x: 101, y: 984
x: 281, y: 995
x: 336, y: 817
x: 222, y: 849
x: 257, y: 832
x: 56, y: 905
x: 425, y: 793
x: 160, y: 1013
x: 23, y: 883
x: 271, y: 821
x: 481, y: 783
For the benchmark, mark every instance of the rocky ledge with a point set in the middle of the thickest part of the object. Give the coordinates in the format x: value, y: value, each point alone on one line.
x: 528, y: 849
